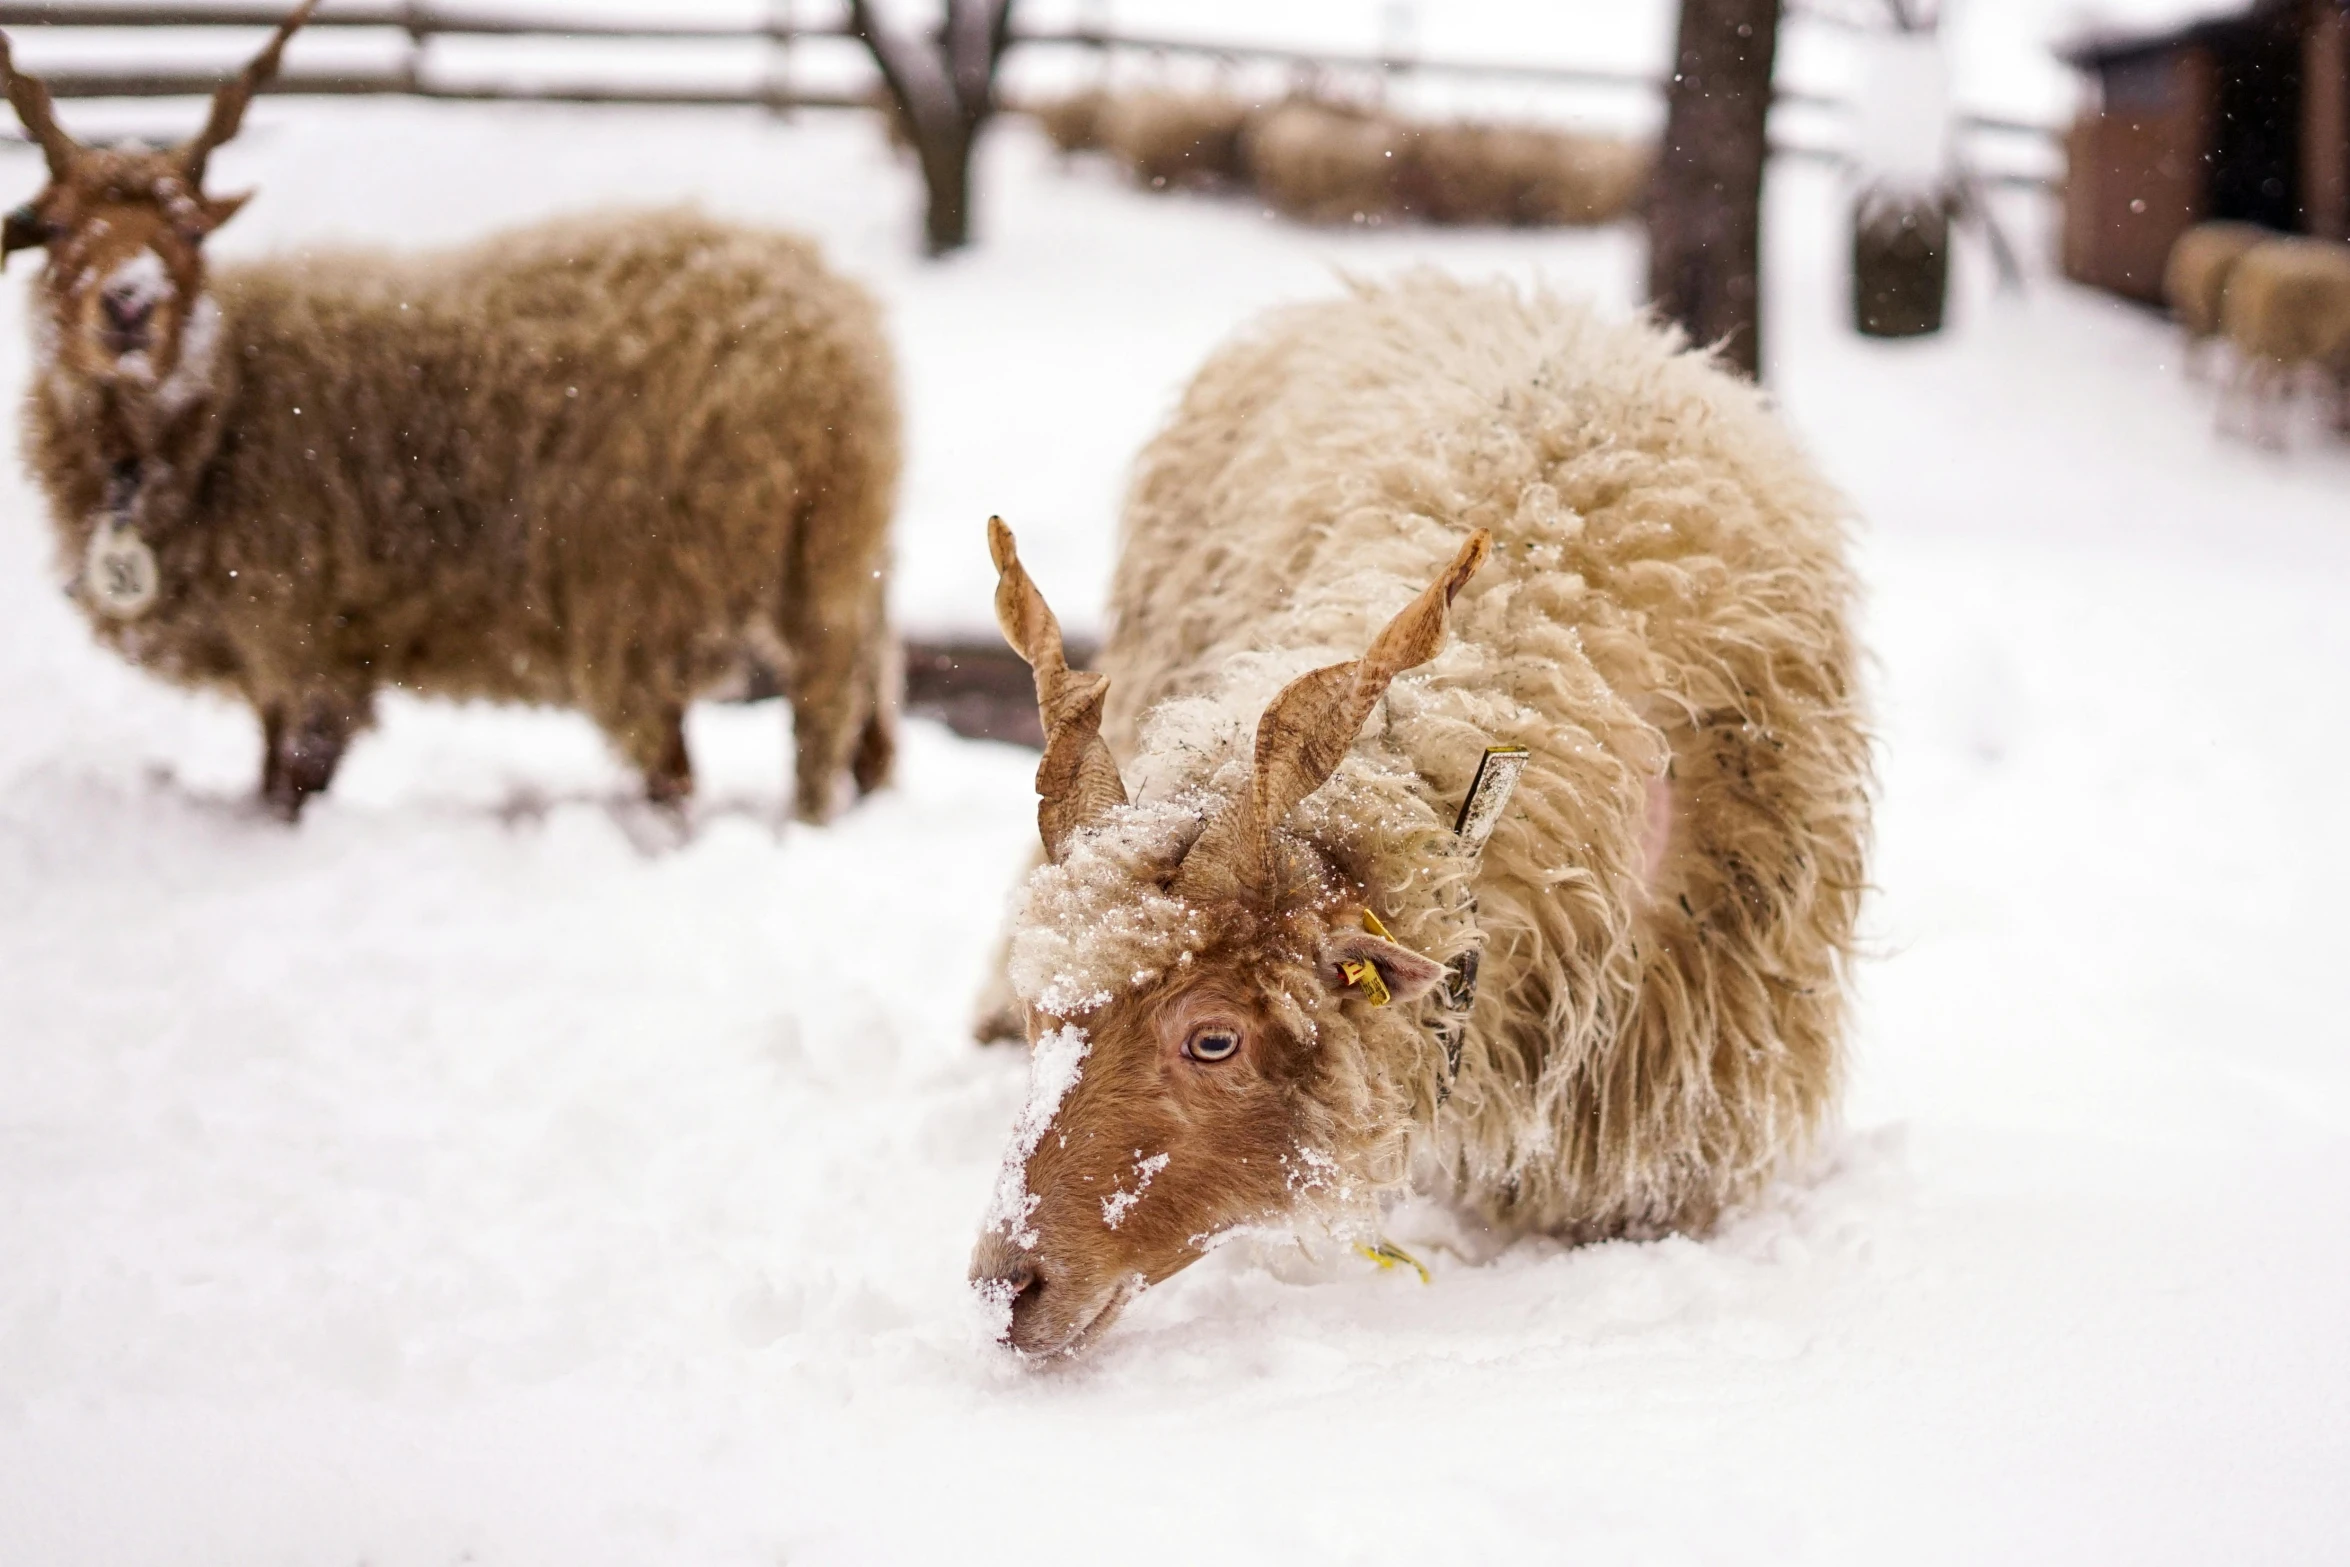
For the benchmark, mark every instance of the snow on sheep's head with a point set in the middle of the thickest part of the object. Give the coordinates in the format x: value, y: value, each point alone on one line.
x: 1194, y: 1095
x: 124, y: 229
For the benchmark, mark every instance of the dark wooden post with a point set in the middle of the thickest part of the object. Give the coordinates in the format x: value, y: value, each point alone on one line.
x: 944, y: 91
x: 1705, y: 203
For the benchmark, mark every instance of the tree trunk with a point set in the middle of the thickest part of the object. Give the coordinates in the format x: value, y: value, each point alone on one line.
x: 946, y: 180
x: 1705, y: 203
x: 943, y: 90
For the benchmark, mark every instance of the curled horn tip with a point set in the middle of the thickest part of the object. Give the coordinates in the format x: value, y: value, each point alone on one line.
x: 1473, y: 554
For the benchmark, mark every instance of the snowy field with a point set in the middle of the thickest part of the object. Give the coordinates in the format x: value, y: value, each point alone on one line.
x: 455, y: 1180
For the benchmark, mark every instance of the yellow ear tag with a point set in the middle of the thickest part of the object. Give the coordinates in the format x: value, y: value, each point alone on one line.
x: 1366, y: 975
x: 1387, y: 1254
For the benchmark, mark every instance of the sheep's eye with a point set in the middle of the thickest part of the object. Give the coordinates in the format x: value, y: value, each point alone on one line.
x: 1212, y: 1044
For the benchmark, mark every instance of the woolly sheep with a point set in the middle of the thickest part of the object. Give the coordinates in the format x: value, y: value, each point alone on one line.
x: 1647, y: 589
x: 601, y: 464
x: 2286, y: 308
x: 2195, y: 277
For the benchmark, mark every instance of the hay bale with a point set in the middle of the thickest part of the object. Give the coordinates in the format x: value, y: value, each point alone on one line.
x: 1178, y: 141
x: 1324, y: 163
x: 1072, y: 124
x: 1520, y: 175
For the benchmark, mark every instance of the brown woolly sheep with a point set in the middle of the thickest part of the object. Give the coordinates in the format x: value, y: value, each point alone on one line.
x: 2195, y: 278
x: 1247, y: 967
x: 596, y: 464
x: 2286, y: 309
x: 1178, y: 141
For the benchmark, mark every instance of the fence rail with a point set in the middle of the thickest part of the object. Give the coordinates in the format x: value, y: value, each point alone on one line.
x: 424, y: 20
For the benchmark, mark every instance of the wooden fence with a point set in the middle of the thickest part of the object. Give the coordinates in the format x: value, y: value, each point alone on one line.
x: 975, y: 685
x: 420, y: 22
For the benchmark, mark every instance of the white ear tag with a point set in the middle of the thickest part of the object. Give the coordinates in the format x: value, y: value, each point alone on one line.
x: 120, y: 573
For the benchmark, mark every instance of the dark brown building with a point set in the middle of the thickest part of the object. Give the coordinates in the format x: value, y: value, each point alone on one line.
x: 2244, y: 117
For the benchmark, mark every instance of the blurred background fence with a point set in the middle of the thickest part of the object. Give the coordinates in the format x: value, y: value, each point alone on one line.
x: 791, y: 54
x: 782, y: 56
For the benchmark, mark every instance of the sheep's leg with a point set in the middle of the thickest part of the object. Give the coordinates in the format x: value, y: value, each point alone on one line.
x: 877, y: 742
x: 302, y: 744
x: 661, y: 753
x: 832, y: 623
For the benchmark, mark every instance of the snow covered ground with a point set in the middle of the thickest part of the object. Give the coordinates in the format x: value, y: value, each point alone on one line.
x: 455, y: 1180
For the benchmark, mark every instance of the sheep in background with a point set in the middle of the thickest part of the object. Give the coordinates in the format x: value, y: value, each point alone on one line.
x: 597, y: 464
x: 1246, y: 971
x: 2195, y: 278
x: 2286, y: 310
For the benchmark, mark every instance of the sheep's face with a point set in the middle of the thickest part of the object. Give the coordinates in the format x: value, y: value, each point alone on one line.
x: 1192, y: 972
x: 124, y: 285
x: 1225, y: 1095
x: 125, y: 228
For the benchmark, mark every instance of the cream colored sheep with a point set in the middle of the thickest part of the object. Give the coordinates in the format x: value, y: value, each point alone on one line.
x: 2286, y: 311
x: 1647, y: 590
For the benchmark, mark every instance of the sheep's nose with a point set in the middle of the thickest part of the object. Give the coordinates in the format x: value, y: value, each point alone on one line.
x: 1005, y: 1273
x: 1020, y: 1283
x: 126, y: 312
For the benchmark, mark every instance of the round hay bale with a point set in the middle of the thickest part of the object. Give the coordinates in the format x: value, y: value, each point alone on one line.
x: 1178, y: 141
x: 1073, y: 124
x: 1326, y: 164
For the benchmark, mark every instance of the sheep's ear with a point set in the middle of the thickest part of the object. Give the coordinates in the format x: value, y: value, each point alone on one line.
x: 1077, y: 782
x: 1404, y: 975
x: 23, y: 229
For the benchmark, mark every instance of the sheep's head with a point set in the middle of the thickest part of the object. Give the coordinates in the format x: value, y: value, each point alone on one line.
x: 124, y: 229
x: 1206, y: 1093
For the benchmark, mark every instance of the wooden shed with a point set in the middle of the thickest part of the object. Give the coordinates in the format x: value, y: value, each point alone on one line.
x: 2244, y: 117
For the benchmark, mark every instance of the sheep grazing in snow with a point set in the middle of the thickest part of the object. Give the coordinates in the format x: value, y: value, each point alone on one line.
x: 602, y: 464
x: 2286, y: 309
x: 1646, y: 588
x: 2195, y: 278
